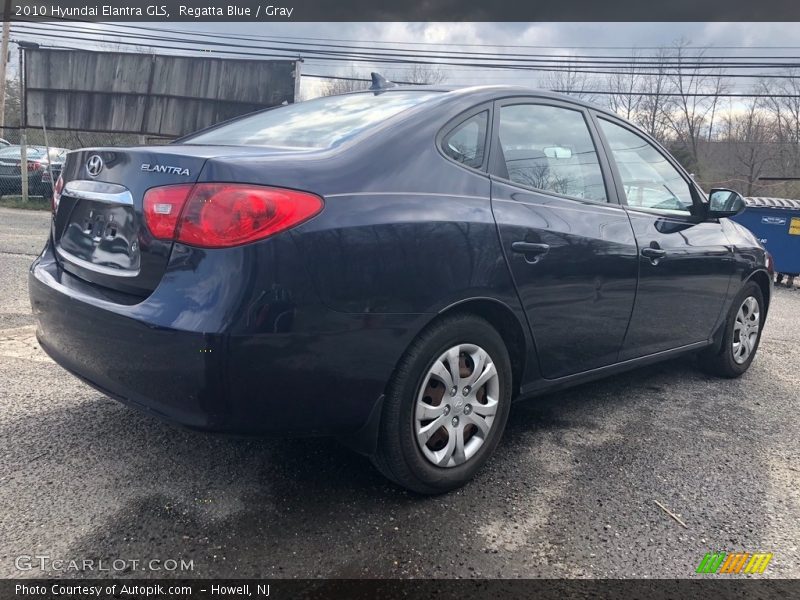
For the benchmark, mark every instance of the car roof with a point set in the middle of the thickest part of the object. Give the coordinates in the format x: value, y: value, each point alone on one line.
x: 486, y: 93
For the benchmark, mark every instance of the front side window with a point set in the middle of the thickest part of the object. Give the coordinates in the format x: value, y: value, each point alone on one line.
x: 466, y: 142
x: 648, y: 178
x: 549, y: 148
x: 319, y: 123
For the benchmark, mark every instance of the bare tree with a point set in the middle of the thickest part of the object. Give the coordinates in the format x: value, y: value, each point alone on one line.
x: 420, y: 74
x: 783, y: 102
x: 749, y: 135
x: 625, y: 85
x: 783, y: 106
x: 695, y: 98
x: 720, y: 86
x: 569, y: 79
x: 351, y: 82
x: 654, y: 87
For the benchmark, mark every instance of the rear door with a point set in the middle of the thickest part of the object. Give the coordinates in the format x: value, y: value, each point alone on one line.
x: 567, y: 241
x: 685, y: 261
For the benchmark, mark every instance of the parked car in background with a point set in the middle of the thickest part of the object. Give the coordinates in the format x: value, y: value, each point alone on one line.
x: 57, y: 158
x: 40, y: 161
x: 392, y: 267
x: 4, y: 142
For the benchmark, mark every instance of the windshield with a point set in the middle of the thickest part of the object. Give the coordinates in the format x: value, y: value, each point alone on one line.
x: 320, y: 123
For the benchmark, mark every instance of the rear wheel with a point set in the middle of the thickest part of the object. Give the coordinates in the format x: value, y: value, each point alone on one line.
x: 741, y: 336
x: 446, y: 406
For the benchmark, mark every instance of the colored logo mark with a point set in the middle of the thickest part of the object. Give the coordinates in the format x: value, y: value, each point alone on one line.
x: 734, y: 562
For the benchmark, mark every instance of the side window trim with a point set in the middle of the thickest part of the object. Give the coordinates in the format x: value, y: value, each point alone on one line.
x: 496, y: 170
x: 458, y: 120
x: 621, y: 198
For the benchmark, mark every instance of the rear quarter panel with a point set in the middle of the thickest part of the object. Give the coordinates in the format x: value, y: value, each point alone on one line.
x: 404, y: 234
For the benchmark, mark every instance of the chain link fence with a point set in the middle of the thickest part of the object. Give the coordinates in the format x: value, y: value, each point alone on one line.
x: 46, y: 154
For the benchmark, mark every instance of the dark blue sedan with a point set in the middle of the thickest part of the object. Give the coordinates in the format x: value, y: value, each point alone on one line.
x: 392, y: 267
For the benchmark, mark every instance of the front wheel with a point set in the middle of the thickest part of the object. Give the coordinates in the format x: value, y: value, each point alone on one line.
x: 741, y: 336
x: 446, y: 406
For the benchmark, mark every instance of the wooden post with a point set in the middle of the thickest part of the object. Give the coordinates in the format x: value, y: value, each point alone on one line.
x: 4, y: 64
x: 298, y: 67
x: 23, y: 138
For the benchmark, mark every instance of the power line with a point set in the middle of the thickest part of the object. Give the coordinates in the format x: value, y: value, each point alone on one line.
x: 338, y: 58
x: 557, y: 66
x: 471, y: 44
x: 317, y: 43
x: 332, y: 56
x: 696, y: 62
x: 516, y: 69
x: 520, y: 73
x: 607, y: 92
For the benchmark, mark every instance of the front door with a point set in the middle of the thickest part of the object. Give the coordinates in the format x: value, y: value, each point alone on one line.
x: 567, y: 241
x: 685, y: 262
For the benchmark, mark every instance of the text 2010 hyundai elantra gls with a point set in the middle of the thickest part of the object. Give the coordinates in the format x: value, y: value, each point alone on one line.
x: 392, y: 267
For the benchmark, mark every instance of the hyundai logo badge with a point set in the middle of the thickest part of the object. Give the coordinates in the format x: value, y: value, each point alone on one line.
x: 94, y: 165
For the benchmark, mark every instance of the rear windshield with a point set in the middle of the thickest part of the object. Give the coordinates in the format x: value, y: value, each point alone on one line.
x: 319, y: 123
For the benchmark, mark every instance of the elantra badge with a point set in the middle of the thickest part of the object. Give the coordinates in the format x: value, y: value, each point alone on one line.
x: 164, y: 169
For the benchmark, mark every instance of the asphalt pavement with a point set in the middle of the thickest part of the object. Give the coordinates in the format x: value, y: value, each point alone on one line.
x: 571, y: 492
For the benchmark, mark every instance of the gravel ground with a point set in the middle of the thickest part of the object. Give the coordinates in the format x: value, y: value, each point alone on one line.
x: 571, y: 492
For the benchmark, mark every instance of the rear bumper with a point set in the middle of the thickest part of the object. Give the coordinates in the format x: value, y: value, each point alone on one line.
x: 164, y: 371
x: 318, y: 372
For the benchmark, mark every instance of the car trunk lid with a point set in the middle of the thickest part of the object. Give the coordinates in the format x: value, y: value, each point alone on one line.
x: 99, y: 228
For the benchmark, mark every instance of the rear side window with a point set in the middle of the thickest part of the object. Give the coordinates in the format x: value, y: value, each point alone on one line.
x: 466, y: 142
x: 319, y: 123
x: 550, y: 148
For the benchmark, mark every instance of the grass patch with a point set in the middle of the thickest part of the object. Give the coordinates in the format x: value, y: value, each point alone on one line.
x: 33, y: 203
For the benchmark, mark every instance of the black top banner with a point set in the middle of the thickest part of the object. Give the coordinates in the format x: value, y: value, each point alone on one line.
x: 396, y: 10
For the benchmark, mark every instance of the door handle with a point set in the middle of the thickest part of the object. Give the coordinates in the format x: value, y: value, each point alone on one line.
x: 533, y: 252
x: 654, y: 254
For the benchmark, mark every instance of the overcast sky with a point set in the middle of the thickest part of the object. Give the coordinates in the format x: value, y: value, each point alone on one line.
x: 569, y: 37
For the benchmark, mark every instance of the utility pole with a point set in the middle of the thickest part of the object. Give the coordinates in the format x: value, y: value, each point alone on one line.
x: 4, y: 64
x: 23, y: 138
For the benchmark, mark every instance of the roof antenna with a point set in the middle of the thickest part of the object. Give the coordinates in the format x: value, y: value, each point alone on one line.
x: 379, y: 82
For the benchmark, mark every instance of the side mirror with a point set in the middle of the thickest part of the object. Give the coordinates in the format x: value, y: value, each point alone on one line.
x: 724, y: 203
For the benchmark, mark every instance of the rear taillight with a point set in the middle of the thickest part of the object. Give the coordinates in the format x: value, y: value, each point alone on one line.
x: 57, y: 189
x: 162, y: 209
x: 220, y: 215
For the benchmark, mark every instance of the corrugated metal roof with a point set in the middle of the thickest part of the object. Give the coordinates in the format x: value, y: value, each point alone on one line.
x: 761, y: 202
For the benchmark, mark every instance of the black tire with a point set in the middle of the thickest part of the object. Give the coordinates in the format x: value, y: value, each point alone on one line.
x: 720, y: 361
x: 399, y: 456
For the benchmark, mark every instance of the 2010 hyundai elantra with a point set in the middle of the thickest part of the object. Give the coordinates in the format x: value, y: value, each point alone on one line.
x: 392, y: 267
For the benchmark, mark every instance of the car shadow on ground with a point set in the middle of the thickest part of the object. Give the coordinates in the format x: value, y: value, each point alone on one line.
x: 219, y: 500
